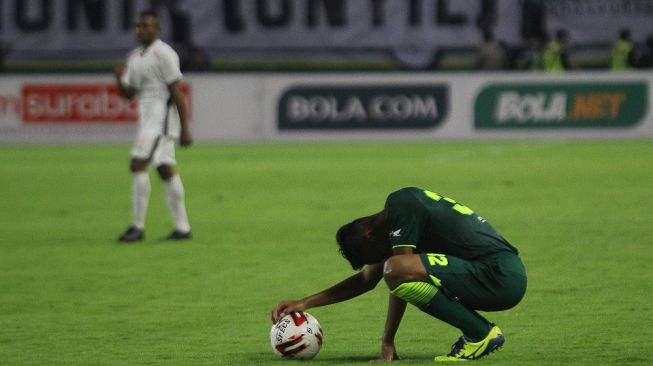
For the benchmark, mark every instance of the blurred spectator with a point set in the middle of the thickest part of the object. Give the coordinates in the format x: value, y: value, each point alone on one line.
x: 532, y: 54
x: 645, y: 59
x: 5, y: 48
x: 623, y: 54
x: 490, y: 55
x: 556, y: 57
x: 194, y: 59
x: 414, y: 57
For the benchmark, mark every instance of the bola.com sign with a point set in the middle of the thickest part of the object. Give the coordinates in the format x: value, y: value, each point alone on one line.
x: 561, y: 105
x: 334, y: 107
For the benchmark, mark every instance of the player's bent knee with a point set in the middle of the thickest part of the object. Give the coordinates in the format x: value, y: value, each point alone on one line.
x: 395, y: 271
x: 402, y: 268
x: 391, y: 273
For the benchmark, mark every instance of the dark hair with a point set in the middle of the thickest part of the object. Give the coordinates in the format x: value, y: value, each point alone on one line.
x: 148, y: 13
x: 347, y: 237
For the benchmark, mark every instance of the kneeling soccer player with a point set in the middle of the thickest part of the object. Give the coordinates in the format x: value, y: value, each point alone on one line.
x: 436, y: 254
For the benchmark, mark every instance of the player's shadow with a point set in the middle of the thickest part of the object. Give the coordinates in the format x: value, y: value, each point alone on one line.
x: 369, y: 359
x: 339, y: 360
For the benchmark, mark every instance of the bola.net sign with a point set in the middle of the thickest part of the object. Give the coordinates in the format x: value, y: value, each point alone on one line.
x: 363, y: 107
x: 561, y: 105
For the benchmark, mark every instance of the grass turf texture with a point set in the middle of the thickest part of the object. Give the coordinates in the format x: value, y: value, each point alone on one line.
x: 264, y: 217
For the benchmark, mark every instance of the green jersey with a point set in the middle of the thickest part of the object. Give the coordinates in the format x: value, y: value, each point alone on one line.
x: 431, y: 223
x: 553, y: 57
x: 620, y: 55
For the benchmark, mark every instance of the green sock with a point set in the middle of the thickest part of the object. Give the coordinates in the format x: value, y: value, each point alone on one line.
x: 435, y: 303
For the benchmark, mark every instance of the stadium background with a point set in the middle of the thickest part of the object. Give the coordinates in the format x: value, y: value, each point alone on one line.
x: 306, y: 114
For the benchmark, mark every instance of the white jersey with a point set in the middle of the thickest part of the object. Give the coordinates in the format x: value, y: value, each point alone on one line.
x: 149, y: 71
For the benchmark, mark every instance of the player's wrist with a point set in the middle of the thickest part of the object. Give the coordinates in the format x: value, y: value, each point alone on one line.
x: 305, y: 303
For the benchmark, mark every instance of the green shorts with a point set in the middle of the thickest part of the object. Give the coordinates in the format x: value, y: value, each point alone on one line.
x: 492, y: 283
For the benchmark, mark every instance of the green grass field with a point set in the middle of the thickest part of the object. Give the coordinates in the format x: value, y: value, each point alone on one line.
x: 264, y: 218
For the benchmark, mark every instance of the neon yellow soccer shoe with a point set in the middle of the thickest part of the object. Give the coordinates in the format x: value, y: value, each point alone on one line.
x: 464, y: 350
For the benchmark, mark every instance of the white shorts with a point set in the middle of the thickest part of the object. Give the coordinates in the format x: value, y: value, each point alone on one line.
x: 157, y: 149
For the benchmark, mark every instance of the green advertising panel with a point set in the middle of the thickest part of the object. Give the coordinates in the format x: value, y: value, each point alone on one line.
x: 561, y: 105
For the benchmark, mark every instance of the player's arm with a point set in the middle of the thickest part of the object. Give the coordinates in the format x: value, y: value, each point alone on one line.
x: 185, y: 138
x: 126, y: 91
x: 396, y: 309
x: 349, y: 288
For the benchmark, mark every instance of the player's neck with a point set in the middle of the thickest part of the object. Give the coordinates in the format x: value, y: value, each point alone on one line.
x: 148, y: 43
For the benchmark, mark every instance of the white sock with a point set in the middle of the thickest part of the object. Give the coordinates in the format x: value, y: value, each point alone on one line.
x: 175, y: 198
x: 140, y: 198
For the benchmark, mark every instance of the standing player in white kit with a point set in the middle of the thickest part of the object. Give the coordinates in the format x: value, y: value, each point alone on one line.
x: 153, y: 76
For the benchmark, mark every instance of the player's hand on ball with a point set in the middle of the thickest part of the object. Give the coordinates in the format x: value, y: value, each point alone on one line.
x: 285, y: 307
x: 297, y: 335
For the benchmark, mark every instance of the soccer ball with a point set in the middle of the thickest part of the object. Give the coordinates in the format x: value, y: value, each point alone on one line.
x: 296, y: 335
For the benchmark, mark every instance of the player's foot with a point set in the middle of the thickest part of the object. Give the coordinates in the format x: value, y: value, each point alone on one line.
x: 179, y: 235
x: 132, y: 234
x: 465, y: 350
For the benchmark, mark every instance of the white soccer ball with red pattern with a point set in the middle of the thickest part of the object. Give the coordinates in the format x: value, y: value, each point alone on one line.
x: 296, y: 335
